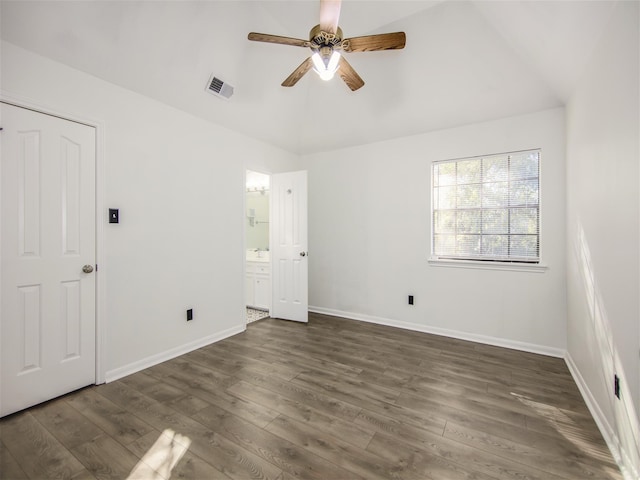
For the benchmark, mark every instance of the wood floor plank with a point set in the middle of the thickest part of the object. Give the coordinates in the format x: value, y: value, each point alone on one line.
x: 288, y: 357
x: 213, y: 358
x: 447, y: 384
x: 520, y: 360
x: 286, y: 455
x: 349, y: 343
x: 9, y: 466
x: 459, y: 458
x: 225, y: 455
x: 444, y: 458
x: 458, y: 405
x: 84, y: 475
x: 212, y: 394
x: 257, y: 359
x: 560, y: 398
x: 549, y: 458
x: 421, y: 464
x: 331, y: 399
x: 67, y: 424
x: 511, y: 402
x: 201, y: 374
x: 329, y: 424
x: 394, y: 422
x: 380, y: 343
x: 38, y: 452
x: 159, y: 391
x: 353, y: 388
x: 154, y: 453
x: 333, y: 449
x: 552, y: 381
x: 228, y: 457
x: 114, y: 420
x: 583, y: 433
x: 450, y: 365
x: 333, y: 354
x: 105, y: 458
x: 188, y: 404
x: 309, y: 396
x: 426, y: 418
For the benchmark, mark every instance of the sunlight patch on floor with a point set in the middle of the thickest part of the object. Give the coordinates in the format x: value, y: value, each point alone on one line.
x: 162, y: 457
x: 563, y: 422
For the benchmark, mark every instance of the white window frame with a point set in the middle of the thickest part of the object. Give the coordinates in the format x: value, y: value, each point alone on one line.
x: 490, y: 263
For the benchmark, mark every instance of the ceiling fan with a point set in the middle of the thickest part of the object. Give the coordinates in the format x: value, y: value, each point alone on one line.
x: 326, y: 42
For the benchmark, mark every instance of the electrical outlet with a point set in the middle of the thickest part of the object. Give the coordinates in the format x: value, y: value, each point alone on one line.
x: 410, y: 299
x: 190, y: 314
x: 616, y: 386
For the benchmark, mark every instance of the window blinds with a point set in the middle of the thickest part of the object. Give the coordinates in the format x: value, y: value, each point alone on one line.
x: 487, y: 208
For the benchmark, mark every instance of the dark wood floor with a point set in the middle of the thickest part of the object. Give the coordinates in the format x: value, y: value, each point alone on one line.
x: 334, y: 399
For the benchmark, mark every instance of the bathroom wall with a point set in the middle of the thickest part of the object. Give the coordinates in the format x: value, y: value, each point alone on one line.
x: 258, y: 228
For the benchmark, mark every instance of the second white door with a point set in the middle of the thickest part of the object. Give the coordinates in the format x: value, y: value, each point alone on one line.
x: 289, y: 253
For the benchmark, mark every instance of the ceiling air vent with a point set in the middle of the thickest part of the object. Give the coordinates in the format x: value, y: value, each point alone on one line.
x: 219, y: 88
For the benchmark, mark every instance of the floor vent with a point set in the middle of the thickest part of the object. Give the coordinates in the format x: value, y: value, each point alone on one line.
x: 219, y: 88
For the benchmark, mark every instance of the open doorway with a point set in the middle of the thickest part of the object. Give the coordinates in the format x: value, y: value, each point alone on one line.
x: 258, y: 254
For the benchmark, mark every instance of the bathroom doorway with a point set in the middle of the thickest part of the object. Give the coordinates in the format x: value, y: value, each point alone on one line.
x: 258, y: 254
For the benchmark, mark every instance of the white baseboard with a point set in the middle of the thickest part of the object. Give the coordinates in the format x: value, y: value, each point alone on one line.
x: 619, y: 454
x: 152, y: 360
x: 487, y: 340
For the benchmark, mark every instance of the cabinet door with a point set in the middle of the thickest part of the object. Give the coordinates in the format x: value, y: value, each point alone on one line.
x: 262, y: 291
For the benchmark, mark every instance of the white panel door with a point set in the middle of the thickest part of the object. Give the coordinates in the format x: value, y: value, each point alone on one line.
x: 289, y: 246
x: 48, y: 235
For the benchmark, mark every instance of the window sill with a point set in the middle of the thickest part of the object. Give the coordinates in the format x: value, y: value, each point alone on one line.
x: 504, y: 266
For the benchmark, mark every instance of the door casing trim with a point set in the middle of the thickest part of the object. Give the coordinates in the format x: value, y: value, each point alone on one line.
x: 244, y: 241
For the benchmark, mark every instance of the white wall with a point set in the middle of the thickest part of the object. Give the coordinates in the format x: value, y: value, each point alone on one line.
x: 179, y: 184
x: 369, y: 238
x: 603, y: 241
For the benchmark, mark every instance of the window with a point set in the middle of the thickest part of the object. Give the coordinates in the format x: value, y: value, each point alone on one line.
x: 487, y: 208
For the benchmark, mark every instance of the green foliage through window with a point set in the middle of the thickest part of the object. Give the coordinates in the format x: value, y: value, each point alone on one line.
x: 487, y: 208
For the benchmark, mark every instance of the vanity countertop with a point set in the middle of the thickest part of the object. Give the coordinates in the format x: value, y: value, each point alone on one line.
x: 261, y: 256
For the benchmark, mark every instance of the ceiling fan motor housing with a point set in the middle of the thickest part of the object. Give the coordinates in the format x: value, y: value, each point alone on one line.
x: 324, y: 43
x: 320, y: 38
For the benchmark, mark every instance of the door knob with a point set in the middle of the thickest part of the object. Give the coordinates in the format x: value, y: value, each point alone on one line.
x: 87, y: 268
x: 303, y: 254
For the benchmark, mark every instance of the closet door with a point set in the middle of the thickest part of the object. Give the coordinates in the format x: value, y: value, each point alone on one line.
x: 48, y: 257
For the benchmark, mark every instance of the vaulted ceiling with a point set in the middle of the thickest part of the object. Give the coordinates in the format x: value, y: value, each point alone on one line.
x: 465, y: 61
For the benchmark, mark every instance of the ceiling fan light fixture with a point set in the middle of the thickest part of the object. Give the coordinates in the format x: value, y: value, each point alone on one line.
x: 326, y: 66
x: 324, y: 39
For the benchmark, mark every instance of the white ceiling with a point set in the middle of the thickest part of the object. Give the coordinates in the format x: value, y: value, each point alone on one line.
x: 465, y: 61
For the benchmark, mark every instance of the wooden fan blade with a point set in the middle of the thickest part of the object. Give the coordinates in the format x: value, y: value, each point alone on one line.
x: 329, y: 15
x: 370, y: 43
x: 298, y: 73
x: 349, y: 75
x: 265, y: 37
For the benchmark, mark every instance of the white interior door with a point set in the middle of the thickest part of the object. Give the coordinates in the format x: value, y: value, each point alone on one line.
x: 289, y: 246
x: 48, y: 236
